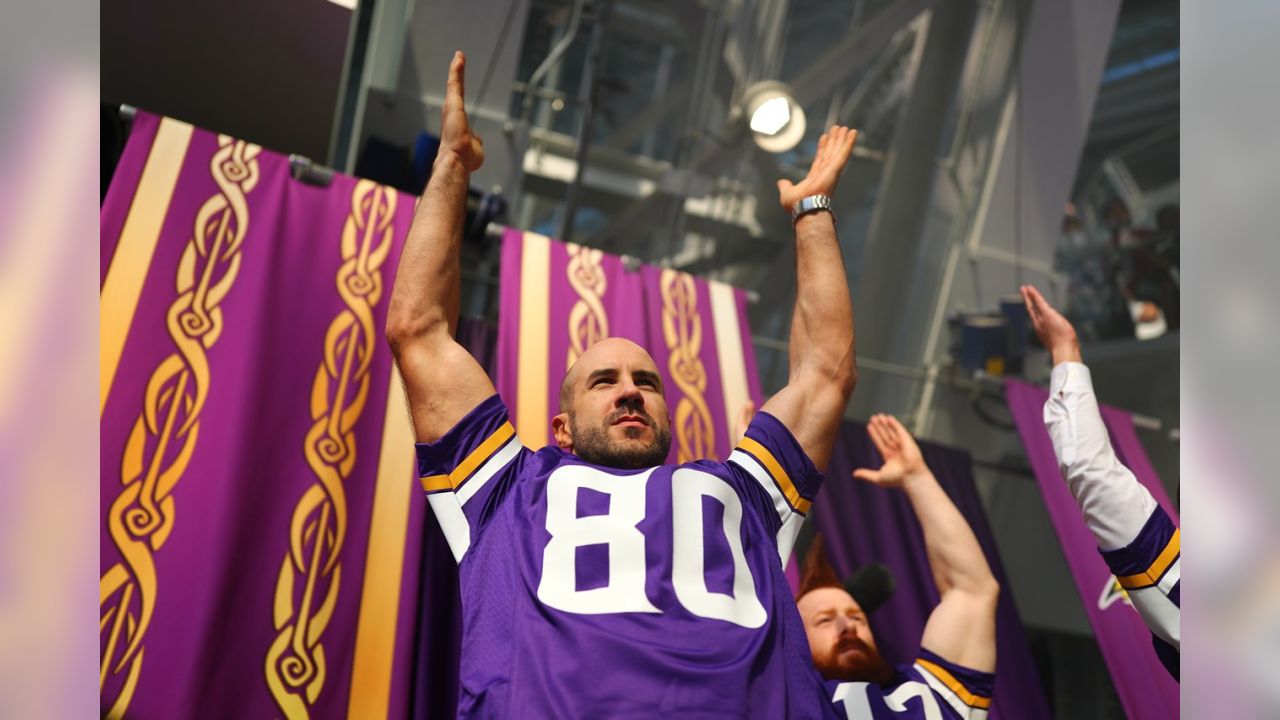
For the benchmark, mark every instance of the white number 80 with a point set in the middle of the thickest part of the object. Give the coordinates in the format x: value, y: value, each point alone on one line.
x: 624, y: 591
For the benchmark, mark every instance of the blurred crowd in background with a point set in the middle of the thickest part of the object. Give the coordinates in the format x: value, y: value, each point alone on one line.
x: 1122, y: 273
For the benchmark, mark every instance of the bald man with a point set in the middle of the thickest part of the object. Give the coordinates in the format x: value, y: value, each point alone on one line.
x: 596, y: 581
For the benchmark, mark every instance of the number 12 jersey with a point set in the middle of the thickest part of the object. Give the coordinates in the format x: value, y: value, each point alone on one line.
x: 590, y: 591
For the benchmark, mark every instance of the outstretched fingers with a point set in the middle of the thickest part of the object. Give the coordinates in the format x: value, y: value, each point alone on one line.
x: 889, y: 426
x: 839, y: 147
x: 871, y: 432
x: 1037, y: 299
x: 879, y: 437
x: 820, y: 158
x: 900, y: 435
x: 850, y: 139
x: 1029, y: 298
x: 454, y: 89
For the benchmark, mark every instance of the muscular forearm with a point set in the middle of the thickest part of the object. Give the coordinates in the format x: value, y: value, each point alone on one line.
x: 955, y: 557
x: 822, y: 337
x: 821, y: 347
x: 442, y: 382
x: 428, y: 280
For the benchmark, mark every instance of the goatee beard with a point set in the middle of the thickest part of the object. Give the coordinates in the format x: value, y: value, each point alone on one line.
x: 869, y: 667
x: 594, y: 445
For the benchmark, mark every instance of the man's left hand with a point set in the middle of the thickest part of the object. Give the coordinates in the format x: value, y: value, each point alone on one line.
x: 902, y: 458
x: 1055, y: 331
x: 834, y: 148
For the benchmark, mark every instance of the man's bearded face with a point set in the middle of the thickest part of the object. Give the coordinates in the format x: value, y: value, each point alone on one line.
x: 839, y: 637
x: 613, y: 411
x: 643, y: 443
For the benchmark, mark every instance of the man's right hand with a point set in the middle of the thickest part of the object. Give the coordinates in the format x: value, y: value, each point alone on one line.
x: 456, y: 138
x: 834, y: 148
x: 1054, y: 330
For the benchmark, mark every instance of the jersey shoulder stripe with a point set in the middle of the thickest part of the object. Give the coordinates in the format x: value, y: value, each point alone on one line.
x: 770, y: 447
x: 1152, y: 558
x: 781, y: 503
x: 495, y: 442
x: 469, y: 486
x: 765, y: 459
x: 469, y: 471
x: 971, y: 699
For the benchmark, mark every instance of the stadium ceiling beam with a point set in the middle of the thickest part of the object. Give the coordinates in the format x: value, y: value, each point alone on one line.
x: 677, y: 96
x: 856, y: 50
x: 691, y: 19
x: 828, y: 71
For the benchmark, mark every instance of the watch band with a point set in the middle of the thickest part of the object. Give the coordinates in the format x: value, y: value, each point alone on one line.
x: 810, y: 204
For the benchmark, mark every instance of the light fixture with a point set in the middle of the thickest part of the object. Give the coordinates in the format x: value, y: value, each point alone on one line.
x: 771, y: 116
x: 775, y: 118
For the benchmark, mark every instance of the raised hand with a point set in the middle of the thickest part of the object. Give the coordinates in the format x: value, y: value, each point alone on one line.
x: 456, y: 137
x: 902, y: 458
x: 834, y: 148
x: 1054, y: 330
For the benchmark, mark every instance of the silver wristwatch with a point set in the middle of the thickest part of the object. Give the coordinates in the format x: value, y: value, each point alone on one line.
x: 810, y: 204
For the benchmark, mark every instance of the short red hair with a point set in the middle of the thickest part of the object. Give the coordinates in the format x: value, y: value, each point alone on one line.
x: 816, y: 572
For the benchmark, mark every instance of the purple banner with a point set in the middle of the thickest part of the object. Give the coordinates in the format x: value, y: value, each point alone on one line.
x: 257, y: 471
x: 683, y: 351
x: 1146, y: 690
x: 557, y: 299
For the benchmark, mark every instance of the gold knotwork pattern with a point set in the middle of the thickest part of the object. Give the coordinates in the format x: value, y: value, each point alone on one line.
x: 163, y: 438
x: 311, y: 572
x: 588, y: 322
x: 682, y: 329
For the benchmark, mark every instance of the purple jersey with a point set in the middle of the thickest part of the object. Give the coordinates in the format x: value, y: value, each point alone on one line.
x: 590, y: 591
x: 929, y: 689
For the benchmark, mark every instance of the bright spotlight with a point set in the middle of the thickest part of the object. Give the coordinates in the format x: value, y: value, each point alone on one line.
x: 775, y: 118
x: 770, y: 117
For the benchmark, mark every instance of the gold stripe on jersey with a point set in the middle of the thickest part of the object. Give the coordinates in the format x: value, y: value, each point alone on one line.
x: 946, y: 678
x: 771, y: 464
x: 432, y: 483
x: 1157, y: 568
x: 484, y: 451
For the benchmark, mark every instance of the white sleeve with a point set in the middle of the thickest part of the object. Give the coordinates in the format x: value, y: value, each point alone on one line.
x: 1116, y: 507
x: 1114, y: 503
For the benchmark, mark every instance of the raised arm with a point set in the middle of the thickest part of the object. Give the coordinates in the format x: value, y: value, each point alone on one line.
x: 962, y: 628
x: 442, y: 381
x: 1114, y: 503
x: 1137, y: 538
x: 822, y: 372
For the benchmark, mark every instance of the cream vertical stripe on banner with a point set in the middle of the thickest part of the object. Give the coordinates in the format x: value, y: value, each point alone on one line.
x: 535, y: 290
x: 159, y: 449
x: 733, y: 366
x: 138, y: 238
x: 380, y: 597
